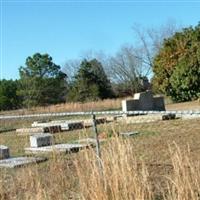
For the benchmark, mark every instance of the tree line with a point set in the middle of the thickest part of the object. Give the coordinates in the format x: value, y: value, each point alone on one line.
x: 169, y: 58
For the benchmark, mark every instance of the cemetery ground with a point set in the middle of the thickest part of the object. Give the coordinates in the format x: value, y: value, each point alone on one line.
x: 161, y: 162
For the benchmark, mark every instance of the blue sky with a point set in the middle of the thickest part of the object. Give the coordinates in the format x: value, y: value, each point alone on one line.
x: 67, y: 29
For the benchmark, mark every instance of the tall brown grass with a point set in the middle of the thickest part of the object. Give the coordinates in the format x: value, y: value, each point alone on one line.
x: 184, y: 184
x: 120, y: 176
x: 107, y: 104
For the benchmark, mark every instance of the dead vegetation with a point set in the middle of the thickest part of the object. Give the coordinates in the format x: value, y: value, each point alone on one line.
x: 162, y: 162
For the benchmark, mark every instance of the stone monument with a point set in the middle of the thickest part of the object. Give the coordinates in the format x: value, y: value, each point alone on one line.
x: 144, y: 101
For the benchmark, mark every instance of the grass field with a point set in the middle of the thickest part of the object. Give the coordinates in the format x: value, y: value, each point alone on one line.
x: 162, y: 162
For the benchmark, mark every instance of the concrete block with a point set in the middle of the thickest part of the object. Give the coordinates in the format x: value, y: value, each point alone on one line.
x: 57, y: 126
x: 30, y: 130
x: 4, y: 152
x: 63, y: 148
x: 20, y: 161
x: 143, y: 101
x: 41, y: 140
x: 52, y: 129
x: 129, y: 134
x: 168, y: 116
x: 75, y: 125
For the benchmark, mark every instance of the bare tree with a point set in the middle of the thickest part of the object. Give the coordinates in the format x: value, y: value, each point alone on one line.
x: 126, y: 68
x: 150, y: 40
x: 71, y: 67
x: 134, y: 63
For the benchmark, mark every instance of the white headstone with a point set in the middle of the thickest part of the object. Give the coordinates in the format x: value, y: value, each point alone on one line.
x: 41, y: 140
x: 65, y: 148
x: 20, y: 161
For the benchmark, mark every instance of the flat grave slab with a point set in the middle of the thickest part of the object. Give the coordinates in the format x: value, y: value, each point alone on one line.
x: 30, y: 130
x: 64, y: 125
x: 140, y: 119
x: 65, y: 148
x: 20, y: 161
x: 129, y: 134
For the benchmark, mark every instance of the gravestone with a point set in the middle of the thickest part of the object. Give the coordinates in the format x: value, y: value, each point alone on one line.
x: 130, y: 105
x: 63, y: 148
x: 62, y: 125
x: 41, y: 140
x: 143, y: 101
x: 4, y: 152
x: 146, y: 101
x: 20, y: 161
x: 129, y: 134
x: 30, y: 130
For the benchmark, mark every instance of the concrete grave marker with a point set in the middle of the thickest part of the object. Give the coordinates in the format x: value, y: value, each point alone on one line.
x: 65, y: 148
x: 30, y: 130
x: 40, y: 140
x: 20, y: 161
x: 4, y: 152
x: 62, y: 125
x: 143, y: 101
x: 129, y: 134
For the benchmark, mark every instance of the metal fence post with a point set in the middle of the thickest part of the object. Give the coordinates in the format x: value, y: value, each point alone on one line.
x: 96, y: 136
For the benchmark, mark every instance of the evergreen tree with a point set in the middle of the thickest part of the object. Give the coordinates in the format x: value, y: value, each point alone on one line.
x: 8, y: 95
x: 90, y: 83
x: 177, y: 65
x: 42, y: 81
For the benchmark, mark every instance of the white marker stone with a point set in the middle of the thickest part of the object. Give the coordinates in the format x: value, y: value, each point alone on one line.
x: 41, y: 140
x: 20, y: 161
x: 129, y: 134
x: 65, y: 148
x: 4, y: 152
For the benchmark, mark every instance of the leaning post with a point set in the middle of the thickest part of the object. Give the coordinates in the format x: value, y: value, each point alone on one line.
x: 98, y: 151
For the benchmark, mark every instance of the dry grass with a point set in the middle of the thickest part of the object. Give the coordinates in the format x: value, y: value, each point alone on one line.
x: 160, y: 163
x: 117, y: 177
x: 52, y: 181
x: 193, y: 105
x: 121, y: 176
x: 107, y: 104
x: 184, y: 182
